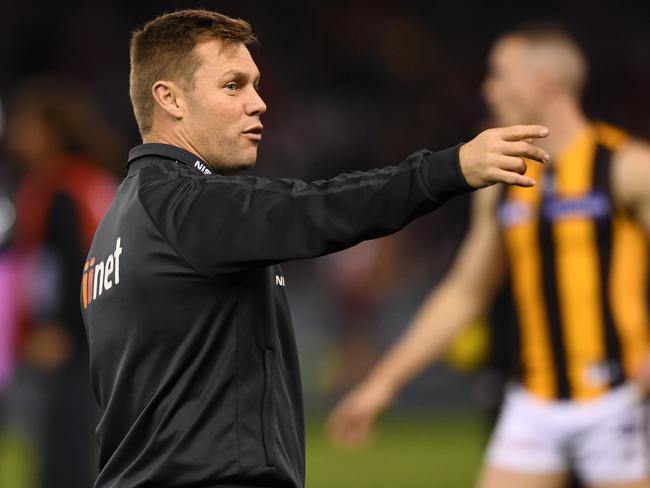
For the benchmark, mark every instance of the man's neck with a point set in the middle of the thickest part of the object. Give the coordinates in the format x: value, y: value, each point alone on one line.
x: 566, y: 121
x: 173, y: 139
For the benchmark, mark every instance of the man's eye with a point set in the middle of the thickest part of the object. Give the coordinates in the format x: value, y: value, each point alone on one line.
x: 231, y: 86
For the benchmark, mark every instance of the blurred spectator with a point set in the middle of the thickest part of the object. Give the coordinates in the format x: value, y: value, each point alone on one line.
x: 60, y: 141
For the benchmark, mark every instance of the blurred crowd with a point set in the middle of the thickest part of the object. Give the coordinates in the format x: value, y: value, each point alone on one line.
x: 350, y: 85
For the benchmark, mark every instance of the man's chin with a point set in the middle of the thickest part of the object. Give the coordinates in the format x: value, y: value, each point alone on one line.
x: 505, y: 118
x: 247, y: 165
x: 236, y: 168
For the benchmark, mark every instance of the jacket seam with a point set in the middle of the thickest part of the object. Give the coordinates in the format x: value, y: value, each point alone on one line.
x: 146, y: 210
x: 400, y: 169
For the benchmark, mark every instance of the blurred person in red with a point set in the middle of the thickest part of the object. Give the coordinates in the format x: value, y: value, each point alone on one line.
x: 575, y: 247
x: 55, y: 133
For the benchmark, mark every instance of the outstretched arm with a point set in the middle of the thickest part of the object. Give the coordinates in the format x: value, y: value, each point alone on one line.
x: 455, y: 303
x: 262, y: 222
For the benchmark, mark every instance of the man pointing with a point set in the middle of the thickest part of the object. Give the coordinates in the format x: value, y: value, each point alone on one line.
x: 193, y: 358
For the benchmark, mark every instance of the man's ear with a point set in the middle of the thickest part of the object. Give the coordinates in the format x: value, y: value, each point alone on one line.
x: 166, y: 95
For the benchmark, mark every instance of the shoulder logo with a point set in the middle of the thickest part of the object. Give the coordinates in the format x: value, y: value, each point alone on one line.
x: 514, y: 213
x: 101, y: 276
x: 595, y: 205
x: 202, y: 168
x: 279, y: 280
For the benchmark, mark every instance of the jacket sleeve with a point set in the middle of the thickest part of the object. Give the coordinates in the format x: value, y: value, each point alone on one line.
x: 221, y: 224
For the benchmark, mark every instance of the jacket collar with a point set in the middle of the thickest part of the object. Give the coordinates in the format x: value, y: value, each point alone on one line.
x: 143, y: 152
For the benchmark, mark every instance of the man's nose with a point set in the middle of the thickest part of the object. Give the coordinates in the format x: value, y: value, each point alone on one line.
x: 255, y: 105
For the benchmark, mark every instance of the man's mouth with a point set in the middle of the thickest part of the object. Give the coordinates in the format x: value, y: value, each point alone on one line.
x: 254, y: 133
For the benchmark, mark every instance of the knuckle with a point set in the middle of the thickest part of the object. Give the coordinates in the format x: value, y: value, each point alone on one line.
x: 507, y: 147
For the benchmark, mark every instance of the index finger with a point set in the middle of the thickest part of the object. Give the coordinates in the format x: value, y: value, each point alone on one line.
x: 519, y: 132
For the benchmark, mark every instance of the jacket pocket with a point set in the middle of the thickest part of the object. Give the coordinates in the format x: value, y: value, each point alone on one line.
x: 268, y: 407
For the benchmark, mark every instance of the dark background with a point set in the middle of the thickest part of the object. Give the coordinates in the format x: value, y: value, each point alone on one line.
x: 349, y: 84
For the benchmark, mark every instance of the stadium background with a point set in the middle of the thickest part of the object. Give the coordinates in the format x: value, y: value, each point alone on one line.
x: 351, y: 85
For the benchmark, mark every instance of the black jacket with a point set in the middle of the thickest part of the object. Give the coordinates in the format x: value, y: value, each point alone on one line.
x: 192, y: 352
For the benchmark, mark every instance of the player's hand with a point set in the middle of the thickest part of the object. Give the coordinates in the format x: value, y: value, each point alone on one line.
x: 352, y: 421
x: 497, y: 155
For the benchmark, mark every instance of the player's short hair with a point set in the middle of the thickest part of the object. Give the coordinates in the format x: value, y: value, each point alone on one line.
x: 567, y: 53
x: 162, y: 50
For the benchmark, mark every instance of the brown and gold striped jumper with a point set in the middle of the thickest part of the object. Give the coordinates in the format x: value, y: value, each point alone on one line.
x: 579, y: 273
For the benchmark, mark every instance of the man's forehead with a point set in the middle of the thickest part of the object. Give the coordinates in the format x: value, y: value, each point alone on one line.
x: 510, y: 53
x: 507, y: 48
x: 224, y: 57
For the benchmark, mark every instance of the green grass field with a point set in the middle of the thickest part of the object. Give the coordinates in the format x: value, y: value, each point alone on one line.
x: 17, y: 461
x: 408, y: 452
x: 420, y: 452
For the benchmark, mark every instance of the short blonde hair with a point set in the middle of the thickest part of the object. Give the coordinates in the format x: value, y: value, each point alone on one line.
x: 568, y: 57
x: 162, y: 50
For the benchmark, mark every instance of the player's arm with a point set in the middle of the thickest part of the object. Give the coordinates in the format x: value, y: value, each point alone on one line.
x: 461, y: 298
x: 631, y: 180
x: 231, y: 224
x: 631, y: 184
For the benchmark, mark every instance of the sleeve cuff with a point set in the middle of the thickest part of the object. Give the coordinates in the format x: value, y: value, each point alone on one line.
x: 442, y: 174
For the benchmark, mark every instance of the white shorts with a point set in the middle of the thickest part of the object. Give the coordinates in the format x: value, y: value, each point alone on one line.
x: 604, y: 440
